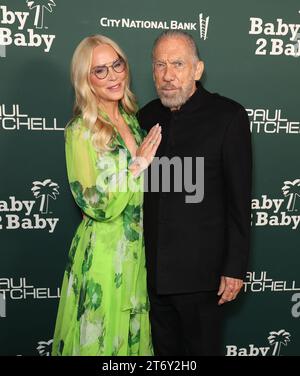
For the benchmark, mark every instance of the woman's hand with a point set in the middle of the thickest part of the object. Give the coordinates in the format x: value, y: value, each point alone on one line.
x: 146, y: 151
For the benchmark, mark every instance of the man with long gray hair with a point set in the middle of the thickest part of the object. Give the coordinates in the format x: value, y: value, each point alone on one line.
x: 196, y: 250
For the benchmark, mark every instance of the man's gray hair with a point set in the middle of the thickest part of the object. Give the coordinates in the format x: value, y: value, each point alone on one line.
x: 177, y: 34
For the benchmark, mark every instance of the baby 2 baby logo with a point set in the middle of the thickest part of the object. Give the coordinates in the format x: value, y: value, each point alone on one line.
x: 18, y: 214
x: 276, y: 341
x: 16, y: 26
x: 273, y: 38
x: 268, y: 211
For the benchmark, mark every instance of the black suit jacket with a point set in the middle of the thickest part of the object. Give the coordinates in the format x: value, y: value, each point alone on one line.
x: 190, y: 245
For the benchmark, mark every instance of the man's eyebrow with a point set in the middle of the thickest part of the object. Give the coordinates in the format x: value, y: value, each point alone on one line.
x: 169, y: 61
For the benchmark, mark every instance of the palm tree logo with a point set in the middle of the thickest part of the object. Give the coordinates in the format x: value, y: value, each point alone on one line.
x: 45, y: 189
x: 277, y: 339
x: 40, y: 6
x: 291, y: 189
x: 44, y: 348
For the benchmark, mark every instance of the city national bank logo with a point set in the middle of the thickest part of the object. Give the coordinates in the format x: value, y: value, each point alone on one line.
x: 20, y: 213
x: 266, y: 121
x: 12, y: 119
x: 276, y: 341
x: 15, y: 26
x: 274, y: 38
x: 201, y: 25
x: 280, y: 211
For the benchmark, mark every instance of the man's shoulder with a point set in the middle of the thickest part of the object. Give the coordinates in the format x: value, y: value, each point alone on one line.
x: 228, y: 112
x: 226, y: 104
x: 148, y: 113
x: 147, y: 109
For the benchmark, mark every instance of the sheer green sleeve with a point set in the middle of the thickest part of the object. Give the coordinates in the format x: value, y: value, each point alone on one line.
x: 102, y: 185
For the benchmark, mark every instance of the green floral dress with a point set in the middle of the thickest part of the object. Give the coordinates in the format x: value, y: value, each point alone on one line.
x: 103, y: 309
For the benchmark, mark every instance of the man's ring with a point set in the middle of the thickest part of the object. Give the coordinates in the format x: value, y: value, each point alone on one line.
x: 152, y: 142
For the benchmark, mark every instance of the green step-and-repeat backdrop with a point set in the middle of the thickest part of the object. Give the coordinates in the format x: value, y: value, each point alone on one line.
x: 251, y: 51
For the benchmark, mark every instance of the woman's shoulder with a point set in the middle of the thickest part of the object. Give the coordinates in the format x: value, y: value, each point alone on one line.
x: 75, y: 123
x: 76, y: 129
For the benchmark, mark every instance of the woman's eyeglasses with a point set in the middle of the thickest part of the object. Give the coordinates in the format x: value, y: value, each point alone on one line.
x: 101, y: 72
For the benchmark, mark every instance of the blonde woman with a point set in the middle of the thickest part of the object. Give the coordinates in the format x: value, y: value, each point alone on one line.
x: 103, y: 308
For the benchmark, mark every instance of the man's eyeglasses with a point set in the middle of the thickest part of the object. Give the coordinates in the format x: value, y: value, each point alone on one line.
x: 101, y: 72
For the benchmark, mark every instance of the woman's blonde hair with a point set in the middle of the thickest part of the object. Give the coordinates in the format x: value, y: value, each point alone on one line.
x: 86, y: 103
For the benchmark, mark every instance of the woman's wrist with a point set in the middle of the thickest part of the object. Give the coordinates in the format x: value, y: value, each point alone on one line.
x: 138, y: 165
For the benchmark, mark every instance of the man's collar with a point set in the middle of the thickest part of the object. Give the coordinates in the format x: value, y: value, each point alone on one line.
x: 198, y: 99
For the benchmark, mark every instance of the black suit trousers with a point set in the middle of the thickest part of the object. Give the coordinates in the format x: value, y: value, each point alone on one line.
x: 186, y: 324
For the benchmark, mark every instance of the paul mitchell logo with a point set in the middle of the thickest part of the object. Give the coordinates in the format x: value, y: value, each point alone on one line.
x: 278, y: 212
x: 24, y: 218
x: 271, y: 122
x: 10, y: 19
x: 258, y: 282
x: 19, y: 289
x: 275, y: 339
x: 12, y: 119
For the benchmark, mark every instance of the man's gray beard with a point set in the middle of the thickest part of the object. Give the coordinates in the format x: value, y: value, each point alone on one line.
x: 178, y: 99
